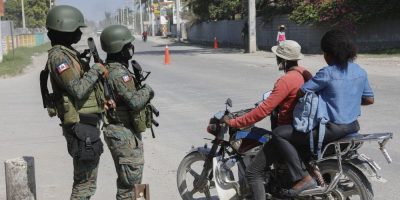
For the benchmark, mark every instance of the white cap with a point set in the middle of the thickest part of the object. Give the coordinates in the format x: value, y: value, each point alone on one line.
x: 288, y: 50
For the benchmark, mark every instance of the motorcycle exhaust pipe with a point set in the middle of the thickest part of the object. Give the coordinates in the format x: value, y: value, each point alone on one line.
x: 384, y: 151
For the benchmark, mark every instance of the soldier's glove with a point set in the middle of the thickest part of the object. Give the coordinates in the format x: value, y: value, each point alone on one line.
x: 102, y: 70
x: 151, y: 91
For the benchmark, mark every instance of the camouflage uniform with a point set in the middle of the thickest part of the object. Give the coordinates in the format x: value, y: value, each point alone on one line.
x: 124, y: 142
x: 77, y: 90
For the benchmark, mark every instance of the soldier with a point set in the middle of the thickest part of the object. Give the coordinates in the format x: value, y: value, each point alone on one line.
x: 77, y: 97
x: 123, y: 133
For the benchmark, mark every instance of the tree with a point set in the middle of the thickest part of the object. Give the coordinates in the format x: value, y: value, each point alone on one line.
x: 344, y: 13
x: 334, y: 13
x: 35, y: 12
x: 13, y: 12
x: 206, y: 10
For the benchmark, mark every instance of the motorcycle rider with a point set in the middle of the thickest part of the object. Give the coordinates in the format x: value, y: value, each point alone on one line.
x: 123, y: 131
x: 284, y: 97
x: 144, y: 35
x: 344, y: 86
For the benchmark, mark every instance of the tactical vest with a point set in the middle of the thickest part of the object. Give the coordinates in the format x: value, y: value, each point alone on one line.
x: 68, y: 108
x: 125, y: 115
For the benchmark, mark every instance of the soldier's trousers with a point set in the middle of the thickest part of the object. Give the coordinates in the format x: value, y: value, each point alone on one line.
x: 85, y: 173
x: 127, y: 151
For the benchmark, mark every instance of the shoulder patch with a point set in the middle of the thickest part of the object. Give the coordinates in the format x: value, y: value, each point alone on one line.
x: 62, y: 67
x: 126, y: 78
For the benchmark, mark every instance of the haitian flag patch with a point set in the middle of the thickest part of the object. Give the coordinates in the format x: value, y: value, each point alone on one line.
x: 126, y: 78
x: 62, y: 67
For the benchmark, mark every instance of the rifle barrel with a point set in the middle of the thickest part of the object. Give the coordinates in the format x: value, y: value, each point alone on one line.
x: 155, y: 111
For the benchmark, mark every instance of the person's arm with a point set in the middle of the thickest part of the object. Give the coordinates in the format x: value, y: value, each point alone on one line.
x: 316, y: 83
x: 368, y: 95
x: 68, y: 77
x: 277, y: 37
x: 307, y: 76
x: 125, y: 88
x: 278, y: 94
x: 365, y: 101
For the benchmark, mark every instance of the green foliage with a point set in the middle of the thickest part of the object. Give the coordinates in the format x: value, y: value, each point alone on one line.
x: 35, y: 12
x: 14, y: 64
x: 206, y: 10
x: 13, y: 12
x: 305, y: 13
x: 269, y: 9
x: 344, y: 13
x: 334, y: 13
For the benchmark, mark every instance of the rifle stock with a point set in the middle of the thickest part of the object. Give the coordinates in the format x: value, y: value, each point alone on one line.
x: 44, y: 74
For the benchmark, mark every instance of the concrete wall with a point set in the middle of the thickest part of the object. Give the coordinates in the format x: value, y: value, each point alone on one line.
x: 369, y: 37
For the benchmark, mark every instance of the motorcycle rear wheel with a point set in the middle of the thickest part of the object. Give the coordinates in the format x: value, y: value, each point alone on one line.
x: 189, y: 171
x: 353, y: 185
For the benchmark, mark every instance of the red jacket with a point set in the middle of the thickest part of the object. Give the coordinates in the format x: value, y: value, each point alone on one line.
x: 283, y: 95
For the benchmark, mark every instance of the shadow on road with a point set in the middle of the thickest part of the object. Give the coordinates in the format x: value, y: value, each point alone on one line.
x: 190, y: 52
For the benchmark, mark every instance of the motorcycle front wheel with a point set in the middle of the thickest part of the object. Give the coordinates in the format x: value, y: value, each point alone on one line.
x: 188, y: 174
x: 353, y: 185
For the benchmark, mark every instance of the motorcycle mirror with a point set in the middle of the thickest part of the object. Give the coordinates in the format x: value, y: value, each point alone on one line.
x: 266, y: 95
x: 136, y: 65
x: 229, y: 102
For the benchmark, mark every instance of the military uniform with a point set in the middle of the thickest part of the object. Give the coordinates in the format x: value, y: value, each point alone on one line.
x: 123, y: 132
x: 76, y: 92
x: 78, y: 96
x: 121, y: 135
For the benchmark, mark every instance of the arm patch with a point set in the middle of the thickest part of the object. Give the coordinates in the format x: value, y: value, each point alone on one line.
x: 126, y: 78
x: 62, y: 67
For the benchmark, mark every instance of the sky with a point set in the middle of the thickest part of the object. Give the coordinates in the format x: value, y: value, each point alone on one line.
x: 94, y: 9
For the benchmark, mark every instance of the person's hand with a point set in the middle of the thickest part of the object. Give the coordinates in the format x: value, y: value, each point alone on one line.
x: 110, y: 104
x: 103, y: 70
x: 226, y: 120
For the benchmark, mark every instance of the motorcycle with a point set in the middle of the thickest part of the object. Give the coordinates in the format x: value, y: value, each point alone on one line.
x: 144, y: 37
x: 219, y: 172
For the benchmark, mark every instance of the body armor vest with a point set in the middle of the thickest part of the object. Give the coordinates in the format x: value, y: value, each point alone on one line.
x: 68, y: 108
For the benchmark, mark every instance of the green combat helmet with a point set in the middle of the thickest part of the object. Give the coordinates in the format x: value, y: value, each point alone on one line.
x: 114, y: 38
x: 64, y: 18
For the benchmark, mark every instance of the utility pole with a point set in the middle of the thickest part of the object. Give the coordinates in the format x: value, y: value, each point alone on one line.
x: 152, y: 19
x: 141, y: 18
x: 23, y: 15
x: 134, y: 16
x: 178, y: 19
x: 252, y: 27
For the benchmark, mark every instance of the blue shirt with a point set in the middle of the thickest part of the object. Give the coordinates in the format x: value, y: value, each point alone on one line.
x: 342, y: 90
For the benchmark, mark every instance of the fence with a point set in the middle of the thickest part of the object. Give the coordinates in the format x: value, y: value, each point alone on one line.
x: 25, y: 40
x: 14, y: 38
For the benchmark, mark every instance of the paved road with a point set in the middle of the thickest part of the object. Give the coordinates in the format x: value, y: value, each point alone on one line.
x: 188, y: 92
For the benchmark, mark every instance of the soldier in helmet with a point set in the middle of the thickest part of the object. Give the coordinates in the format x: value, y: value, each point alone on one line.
x: 77, y: 97
x: 123, y: 133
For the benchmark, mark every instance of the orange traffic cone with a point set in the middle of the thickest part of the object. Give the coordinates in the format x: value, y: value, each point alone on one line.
x: 215, y: 43
x: 167, y: 59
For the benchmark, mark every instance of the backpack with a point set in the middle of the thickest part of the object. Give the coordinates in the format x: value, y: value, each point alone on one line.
x: 308, y: 113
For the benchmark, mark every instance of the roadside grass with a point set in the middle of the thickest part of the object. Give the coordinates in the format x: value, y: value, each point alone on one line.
x: 13, y: 65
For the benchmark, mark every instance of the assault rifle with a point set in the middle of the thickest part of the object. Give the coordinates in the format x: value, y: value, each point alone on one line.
x: 138, y: 73
x: 108, y: 92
